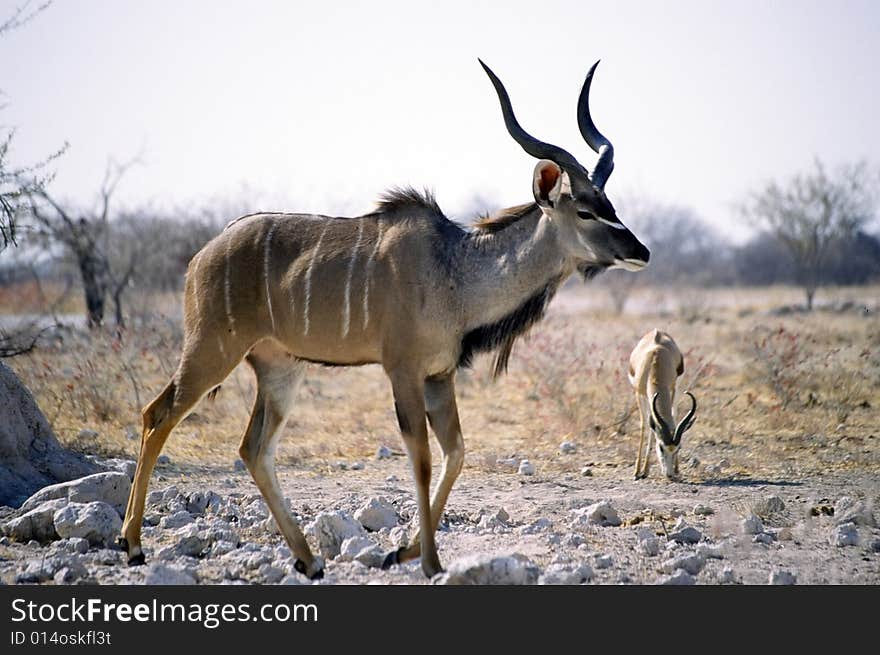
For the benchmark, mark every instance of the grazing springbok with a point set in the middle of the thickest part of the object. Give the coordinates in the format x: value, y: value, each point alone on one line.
x: 654, y: 367
x: 403, y: 287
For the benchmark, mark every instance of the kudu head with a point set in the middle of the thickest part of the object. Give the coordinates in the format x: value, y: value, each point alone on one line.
x: 669, y: 440
x: 574, y: 198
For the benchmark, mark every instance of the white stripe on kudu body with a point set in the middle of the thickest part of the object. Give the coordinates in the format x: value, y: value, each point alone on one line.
x: 346, y: 309
x: 195, y: 284
x: 368, y: 271
x: 266, y: 250
x: 226, y: 289
x: 308, y: 283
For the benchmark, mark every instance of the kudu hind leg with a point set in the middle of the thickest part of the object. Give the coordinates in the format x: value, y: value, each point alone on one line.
x: 159, y: 417
x: 198, y: 372
x: 638, y: 474
x: 442, y: 412
x: 276, y: 390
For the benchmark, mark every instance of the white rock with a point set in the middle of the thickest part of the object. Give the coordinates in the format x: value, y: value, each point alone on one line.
x: 703, y: 510
x: 763, y: 538
x: 383, y: 452
x: 708, y: 551
x: 352, y: 546
x: 649, y: 546
x: 37, y: 524
x: 563, y: 574
x: 197, y: 502
x: 357, y: 466
x: 377, y: 513
x: 692, y: 563
x: 601, y: 513
x: 567, y: 447
x: 752, y: 524
x: 847, y: 510
x: 96, y: 521
x: 176, y: 520
x: 45, y: 568
x: 398, y: 536
x: 573, y: 540
x: 111, y: 487
x: 526, y: 468
x: 680, y: 577
x: 164, y: 574
x: 603, y: 561
x: 331, y: 529
x: 686, y: 534
x: 270, y: 573
x: 728, y: 576
x: 494, y: 521
x: 191, y: 541
x: 71, y: 573
x: 361, y: 549
x: 645, y: 533
x: 219, y: 548
x: 782, y: 578
x: 166, y: 553
x: 74, y: 545
x: 844, y: 535
x: 538, y: 525
x: 769, y: 505
x: 513, y: 569
x: 125, y: 466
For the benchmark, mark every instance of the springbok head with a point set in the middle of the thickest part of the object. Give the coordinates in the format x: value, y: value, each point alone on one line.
x: 574, y: 198
x: 669, y: 440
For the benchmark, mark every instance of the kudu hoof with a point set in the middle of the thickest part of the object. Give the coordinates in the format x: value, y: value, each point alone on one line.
x: 137, y: 560
x: 392, y: 558
x: 300, y: 567
x: 133, y: 560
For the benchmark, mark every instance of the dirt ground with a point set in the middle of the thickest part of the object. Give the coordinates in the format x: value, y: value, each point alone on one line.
x: 787, y: 411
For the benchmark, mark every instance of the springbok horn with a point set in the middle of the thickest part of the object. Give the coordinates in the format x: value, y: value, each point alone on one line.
x: 593, y: 136
x: 529, y: 143
x: 665, y: 432
x: 686, y: 423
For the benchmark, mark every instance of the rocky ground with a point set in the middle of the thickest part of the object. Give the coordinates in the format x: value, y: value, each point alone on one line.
x: 513, y: 525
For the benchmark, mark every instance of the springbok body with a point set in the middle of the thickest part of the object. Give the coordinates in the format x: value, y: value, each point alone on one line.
x: 654, y: 368
x: 403, y: 287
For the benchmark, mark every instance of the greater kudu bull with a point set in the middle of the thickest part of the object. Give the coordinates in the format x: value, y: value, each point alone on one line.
x: 403, y: 287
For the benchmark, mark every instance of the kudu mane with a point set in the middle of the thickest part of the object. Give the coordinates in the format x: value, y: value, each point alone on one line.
x: 500, y: 336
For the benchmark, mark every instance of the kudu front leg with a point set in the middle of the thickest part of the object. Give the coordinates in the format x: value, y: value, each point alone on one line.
x: 443, y: 415
x: 409, y: 403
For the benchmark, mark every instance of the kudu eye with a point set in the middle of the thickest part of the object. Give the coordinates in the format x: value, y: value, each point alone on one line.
x: 586, y: 215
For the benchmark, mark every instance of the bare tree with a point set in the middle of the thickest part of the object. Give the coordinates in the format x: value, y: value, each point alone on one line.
x: 86, y: 238
x: 18, y: 182
x: 810, y: 213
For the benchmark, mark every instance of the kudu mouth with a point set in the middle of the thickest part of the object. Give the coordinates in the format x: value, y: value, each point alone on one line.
x: 630, y: 264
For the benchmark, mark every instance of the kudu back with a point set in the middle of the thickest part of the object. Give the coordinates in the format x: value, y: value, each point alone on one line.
x: 403, y: 287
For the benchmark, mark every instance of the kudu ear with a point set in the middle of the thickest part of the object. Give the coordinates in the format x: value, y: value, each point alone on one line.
x: 547, y: 183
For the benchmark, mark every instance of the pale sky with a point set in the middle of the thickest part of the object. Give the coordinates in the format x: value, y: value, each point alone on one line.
x: 319, y: 106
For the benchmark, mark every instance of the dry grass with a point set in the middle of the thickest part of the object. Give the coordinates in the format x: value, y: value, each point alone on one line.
x: 778, y: 395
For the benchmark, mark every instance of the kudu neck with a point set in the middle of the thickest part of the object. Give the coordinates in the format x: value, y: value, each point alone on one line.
x: 505, y: 268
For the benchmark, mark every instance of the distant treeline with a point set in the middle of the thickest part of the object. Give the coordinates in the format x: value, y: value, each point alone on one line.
x: 684, y: 249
